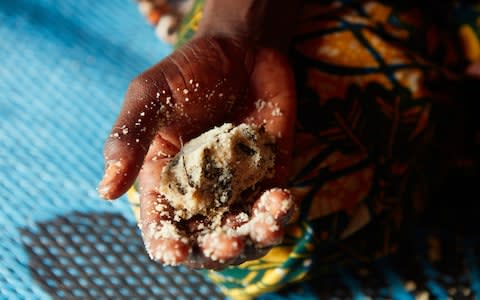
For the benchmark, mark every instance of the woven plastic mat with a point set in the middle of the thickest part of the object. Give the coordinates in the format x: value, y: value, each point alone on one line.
x: 101, y: 256
x: 64, y: 67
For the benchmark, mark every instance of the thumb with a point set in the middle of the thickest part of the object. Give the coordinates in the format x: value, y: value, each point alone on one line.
x: 131, y: 135
x: 273, y: 89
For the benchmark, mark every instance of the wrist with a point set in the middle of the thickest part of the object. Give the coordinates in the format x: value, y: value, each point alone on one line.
x: 269, y: 23
x: 217, y: 19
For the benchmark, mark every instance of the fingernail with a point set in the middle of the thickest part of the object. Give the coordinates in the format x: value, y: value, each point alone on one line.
x: 112, y: 169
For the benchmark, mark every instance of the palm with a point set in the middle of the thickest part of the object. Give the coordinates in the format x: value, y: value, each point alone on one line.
x: 205, y: 83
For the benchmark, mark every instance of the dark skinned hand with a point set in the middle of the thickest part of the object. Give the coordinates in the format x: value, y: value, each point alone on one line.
x: 207, y: 82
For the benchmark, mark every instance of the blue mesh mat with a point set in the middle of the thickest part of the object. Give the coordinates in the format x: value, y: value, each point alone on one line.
x: 64, y: 67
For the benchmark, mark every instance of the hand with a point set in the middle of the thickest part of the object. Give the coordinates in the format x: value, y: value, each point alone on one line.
x: 207, y: 82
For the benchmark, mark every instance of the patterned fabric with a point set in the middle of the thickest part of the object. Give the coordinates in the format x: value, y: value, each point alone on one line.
x: 380, y: 112
x: 284, y: 264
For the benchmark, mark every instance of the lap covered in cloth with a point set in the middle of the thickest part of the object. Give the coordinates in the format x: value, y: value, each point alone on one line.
x: 381, y: 119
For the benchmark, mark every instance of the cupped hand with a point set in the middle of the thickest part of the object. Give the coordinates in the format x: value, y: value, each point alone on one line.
x: 207, y: 82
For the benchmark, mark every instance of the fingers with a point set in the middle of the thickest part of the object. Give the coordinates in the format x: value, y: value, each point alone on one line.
x: 205, y: 77
x: 164, y: 241
x: 273, y: 94
x: 278, y: 203
x: 265, y: 227
x: 153, y: 104
x: 271, y: 212
x: 168, y: 98
x: 219, y: 246
x: 141, y: 115
x: 148, y: 132
x: 266, y: 232
x: 272, y: 87
x: 159, y: 154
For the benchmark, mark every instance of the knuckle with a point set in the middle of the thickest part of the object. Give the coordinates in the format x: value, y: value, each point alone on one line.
x: 139, y: 86
x: 149, y: 91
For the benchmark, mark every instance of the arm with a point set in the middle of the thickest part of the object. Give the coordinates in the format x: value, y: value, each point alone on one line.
x: 269, y: 23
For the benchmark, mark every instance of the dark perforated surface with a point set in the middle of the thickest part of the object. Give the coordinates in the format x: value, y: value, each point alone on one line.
x: 101, y: 256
